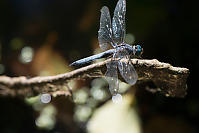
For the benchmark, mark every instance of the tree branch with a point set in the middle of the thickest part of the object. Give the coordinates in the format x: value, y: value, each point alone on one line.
x: 168, y: 79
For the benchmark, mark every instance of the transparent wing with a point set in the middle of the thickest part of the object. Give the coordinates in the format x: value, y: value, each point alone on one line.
x: 118, y: 22
x: 112, y: 77
x: 125, y: 67
x: 105, y: 31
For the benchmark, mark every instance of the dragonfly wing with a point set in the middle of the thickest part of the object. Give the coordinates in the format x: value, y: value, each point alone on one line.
x: 118, y: 22
x: 112, y: 77
x: 126, y: 68
x: 105, y: 31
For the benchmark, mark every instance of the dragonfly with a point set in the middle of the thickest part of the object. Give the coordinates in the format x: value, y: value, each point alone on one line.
x: 113, y: 34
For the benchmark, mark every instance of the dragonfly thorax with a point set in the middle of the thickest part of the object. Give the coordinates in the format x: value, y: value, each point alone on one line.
x: 132, y: 50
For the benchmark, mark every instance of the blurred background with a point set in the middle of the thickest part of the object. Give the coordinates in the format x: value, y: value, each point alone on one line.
x: 41, y: 38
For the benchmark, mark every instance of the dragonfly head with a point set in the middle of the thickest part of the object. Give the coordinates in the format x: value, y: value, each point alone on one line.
x: 139, y: 50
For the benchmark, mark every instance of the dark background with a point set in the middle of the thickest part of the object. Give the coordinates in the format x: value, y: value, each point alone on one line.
x: 67, y: 30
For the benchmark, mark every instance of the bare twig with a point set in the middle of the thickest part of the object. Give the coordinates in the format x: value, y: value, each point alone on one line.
x: 171, y: 80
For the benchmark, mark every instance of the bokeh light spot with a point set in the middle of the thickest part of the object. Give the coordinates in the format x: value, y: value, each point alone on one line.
x: 47, y: 120
x: 45, y: 98
x: 129, y: 38
x: 81, y: 96
x: 98, y: 93
x: 26, y: 55
x: 82, y: 113
x: 117, y: 98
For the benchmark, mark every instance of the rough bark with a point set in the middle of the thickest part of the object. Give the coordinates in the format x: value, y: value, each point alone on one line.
x: 168, y: 79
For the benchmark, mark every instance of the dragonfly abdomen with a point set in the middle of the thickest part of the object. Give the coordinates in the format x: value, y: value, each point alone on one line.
x: 92, y: 58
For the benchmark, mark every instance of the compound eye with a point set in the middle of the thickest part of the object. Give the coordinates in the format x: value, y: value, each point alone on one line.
x: 139, y: 50
x: 139, y: 47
